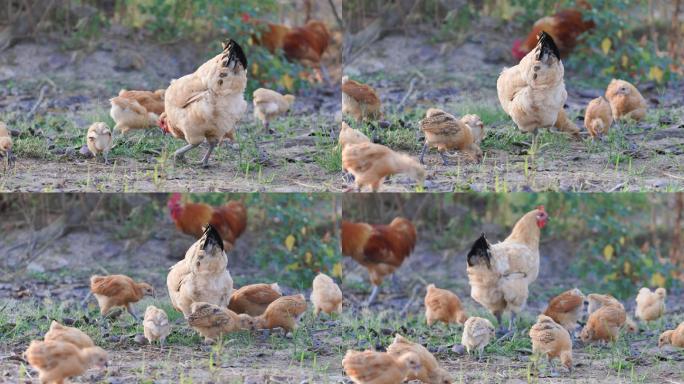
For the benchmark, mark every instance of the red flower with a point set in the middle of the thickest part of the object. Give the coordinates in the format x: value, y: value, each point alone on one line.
x: 245, y: 17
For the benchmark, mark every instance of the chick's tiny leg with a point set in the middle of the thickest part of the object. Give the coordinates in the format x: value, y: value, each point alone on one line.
x: 129, y: 308
x: 325, y: 74
x: 205, y: 160
x: 422, y: 153
x: 445, y: 161
x: 511, y: 322
x: 373, y: 295
x: 179, y: 155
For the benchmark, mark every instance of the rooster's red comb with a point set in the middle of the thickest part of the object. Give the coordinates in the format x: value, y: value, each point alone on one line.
x: 541, y: 208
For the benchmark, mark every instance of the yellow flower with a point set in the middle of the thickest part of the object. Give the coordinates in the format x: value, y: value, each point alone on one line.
x: 608, y: 252
x: 658, y: 280
x: 337, y: 270
x: 606, y: 44
x: 289, y: 242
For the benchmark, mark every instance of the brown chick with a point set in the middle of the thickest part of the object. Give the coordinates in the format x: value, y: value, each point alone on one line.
x: 566, y: 309
x: 118, y: 291
x: 604, y: 324
x: 254, y: 299
x: 553, y: 340
x: 58, y: 360
x: 674, y: 337
x: 444, y: 132
x: 476, y: 127
x: 156, y: 325
x: 360, y: 100
x: 443, y: 305
x: 270, y: 104
x: 212, y: 321
x: 99, y: 140
x: 598, y: 117
x: 349, y: 135
x: 370, y: 367
x: 136, y: 109
x: 625, y: 100
x: 6, y: 145
x: 372, y: 163
x: 429, y: 372
x: 650, y: 305
x: 326, y: 295
x: 282, y: 313
x: 75, y: 336
x: 477, y: 332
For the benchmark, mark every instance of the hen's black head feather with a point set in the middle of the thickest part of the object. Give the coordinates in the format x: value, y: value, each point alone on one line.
x: 233, y: 51
x: 211, y: 237
x: 480, y: 253
x: 548, y: 46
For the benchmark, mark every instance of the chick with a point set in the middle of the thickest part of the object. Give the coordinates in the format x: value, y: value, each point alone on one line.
x: 270, y: 104
x: 429, y: 372
x: 349, y: 135
x: 6, y: 145
x: 566, y: 309
x: 156, y: 325
x: 370, y: 367
x: 326, y: 295
x: 553, y: 340
x: 136, y: 109
x: 625, y: 100
x: 360, y: 100
x: 372, y: 163
x: 283, y: 312
x: 650, y: 305
x: 58, y: 360
x: 99, y: 140
x: 443, y: 305
x: 75, y: 336
x: 598, y: 117
x: 604, y: 324
x: 254, y: 299
x: 476, y: 127
x: 212, y: 321
x: 674, y: 337
x: 444, y: 132
x: 118, y: 291
x: 477, y: 332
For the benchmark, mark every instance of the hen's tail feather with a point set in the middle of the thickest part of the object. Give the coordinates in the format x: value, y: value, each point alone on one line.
x: 480, y: 252
x: 233, y: 51
x: 548, y: 46
x: 211, y: 237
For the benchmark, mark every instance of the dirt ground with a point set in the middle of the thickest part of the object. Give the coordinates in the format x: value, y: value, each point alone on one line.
x: 53, y: 287
x: 413, y: 74
x: 64, y: 91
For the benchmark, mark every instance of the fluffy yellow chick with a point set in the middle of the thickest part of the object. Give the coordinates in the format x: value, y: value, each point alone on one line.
x: 650, y: 305
x: 444, y: 132
x: 254, y: 299
x: 443, y: 305
x: 360, y: 100
x: 59, y: 332
x: 156, y: 325
x: 283, y: 312
x: 58, y: 360
x: 429, y: 372
x: 326, y: 295
x: 597, y: 300
x: 598, y: 117
x: 553, y: 340
x: 674, y: 337
x: 99, y: 140
x: 566, y: 309
x: 212, y: 321
x: 6, y: 145
x: 269, y: 104
x: 476, y: 127
x: 604, y: 324
x: 372, y: 163
x: 370, y: 367
x: 349, y: 135
x: 477, y: 333
x: 625, y: 100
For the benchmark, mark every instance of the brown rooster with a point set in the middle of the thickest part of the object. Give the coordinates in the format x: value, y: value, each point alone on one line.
x: 229, y: 220
x: 379, y: 248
